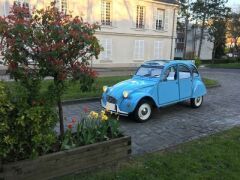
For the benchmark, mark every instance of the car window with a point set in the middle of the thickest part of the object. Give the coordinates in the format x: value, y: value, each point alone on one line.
x: 184, y: 72
x: 170, y: 74
x: 195, y: 71
x: 149, y: 71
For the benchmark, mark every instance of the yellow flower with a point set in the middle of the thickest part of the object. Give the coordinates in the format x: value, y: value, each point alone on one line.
x: 93, y: 114
x: 104, y: 118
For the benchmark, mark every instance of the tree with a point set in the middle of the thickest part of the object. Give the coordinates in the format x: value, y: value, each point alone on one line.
x: 203, y: 11
x: 234, y: 29
x: 185, y: 14
x: 217, y: 34
x: 217, y: 30
x: 58, y: 44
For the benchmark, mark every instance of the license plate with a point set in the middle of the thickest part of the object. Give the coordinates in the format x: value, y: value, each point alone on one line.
x: 110, y: 106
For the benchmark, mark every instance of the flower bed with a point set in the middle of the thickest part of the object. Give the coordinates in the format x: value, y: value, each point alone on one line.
x: 79, y: 159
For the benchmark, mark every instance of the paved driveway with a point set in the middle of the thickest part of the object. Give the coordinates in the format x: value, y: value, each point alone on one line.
x: 179, y: 123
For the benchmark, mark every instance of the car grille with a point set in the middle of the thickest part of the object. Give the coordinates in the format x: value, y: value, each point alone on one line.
x: 111, y: 99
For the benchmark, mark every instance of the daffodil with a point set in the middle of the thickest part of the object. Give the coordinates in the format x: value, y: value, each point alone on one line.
x: 93, y: 114
x: 104, y: 118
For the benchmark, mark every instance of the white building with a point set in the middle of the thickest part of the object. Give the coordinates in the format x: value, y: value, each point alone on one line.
x: 193, y: 41
x: 132, y: 31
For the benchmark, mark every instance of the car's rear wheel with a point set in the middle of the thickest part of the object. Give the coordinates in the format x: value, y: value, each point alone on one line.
x: 143, y: 111
x: 196, y: 102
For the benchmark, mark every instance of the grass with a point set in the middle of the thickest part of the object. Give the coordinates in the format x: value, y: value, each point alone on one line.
x: 213, y: 157
x: 74, y: 92
x: 227, y: 65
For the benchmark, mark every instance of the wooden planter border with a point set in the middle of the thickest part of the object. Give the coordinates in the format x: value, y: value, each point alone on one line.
x: 80, y: 159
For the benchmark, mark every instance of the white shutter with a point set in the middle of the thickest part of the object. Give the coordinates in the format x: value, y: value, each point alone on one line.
x: 106, y: 54
x: 141, y: 49
x: 154, y: 18
x: 158, y: 49
x: 166, y: 20
x: 109, y: 48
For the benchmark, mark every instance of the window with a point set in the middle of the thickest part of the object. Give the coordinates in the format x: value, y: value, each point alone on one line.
x: 139, y: 49
x: 194, y: 71
x: 107, y: 45
x: 158, y: 49
x: 149, y: 71
x: 159, y: 19
x: 106, y: 9
x: 170, y: 74
x: 140, y: 17
x: 62, y: 5
x: 184, y: 72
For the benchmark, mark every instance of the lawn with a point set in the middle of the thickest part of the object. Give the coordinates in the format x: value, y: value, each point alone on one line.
x: 73, y: 91
x: 227, y: 65
x: 213, y: 157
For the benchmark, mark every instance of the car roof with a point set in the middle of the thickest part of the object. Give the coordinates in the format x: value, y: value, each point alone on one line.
x: 167, y: 63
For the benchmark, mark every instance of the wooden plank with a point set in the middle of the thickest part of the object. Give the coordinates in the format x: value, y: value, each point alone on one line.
x: 70, y: 161
x: 63, y: 154
x: 52, y: 162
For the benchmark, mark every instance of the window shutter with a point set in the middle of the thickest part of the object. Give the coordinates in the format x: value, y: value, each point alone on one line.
x: 135, y: 49
x: 158, y: 45
x: 166, y: 20
x: 154, y: 18
x: 141, y: 49
x: 109, y: 48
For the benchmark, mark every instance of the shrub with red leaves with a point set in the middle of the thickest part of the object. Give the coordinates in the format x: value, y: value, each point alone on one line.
x: 58, y: 44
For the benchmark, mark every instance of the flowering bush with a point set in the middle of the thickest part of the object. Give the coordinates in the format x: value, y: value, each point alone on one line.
x: 59, y: 45
x: 26, y: 131
x: 95, y: 127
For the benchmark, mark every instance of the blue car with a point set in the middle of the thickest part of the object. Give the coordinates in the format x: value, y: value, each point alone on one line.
x: 156, y: 84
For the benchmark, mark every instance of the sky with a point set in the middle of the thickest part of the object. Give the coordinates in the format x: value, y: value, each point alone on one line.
x: 233, y: 3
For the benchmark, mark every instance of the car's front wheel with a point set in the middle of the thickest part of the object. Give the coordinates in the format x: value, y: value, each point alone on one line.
x: 143, y: 111
x: 196, y: 102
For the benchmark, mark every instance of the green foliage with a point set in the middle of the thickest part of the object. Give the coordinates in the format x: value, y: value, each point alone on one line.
x: 95, y: 127
x: 198, y: 61
x: 59, y: 45
x: 26, y: 131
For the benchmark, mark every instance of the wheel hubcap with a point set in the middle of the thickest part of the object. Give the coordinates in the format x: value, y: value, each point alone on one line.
x: 198, y: 101
x: 144, y: 111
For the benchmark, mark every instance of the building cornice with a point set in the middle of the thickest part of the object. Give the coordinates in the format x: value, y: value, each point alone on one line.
x: 163, y: 3
x: 133, y: 34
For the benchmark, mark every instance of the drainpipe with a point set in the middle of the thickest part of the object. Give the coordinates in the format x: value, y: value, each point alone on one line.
x: 173, y: 29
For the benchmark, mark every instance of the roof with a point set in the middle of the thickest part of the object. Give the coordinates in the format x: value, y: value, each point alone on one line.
x: 167, y: 62
x: 168, y: 1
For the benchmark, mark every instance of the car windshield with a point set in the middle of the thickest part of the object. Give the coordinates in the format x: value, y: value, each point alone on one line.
x: 149, y: 71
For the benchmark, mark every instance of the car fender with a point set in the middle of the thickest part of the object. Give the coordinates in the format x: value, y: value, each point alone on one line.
x: 129, y: 104
x: 199, y: 89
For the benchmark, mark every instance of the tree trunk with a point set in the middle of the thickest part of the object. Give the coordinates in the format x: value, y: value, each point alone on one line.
x: 60, y: 113
x: 201, y: 35
x: 59, y: 103
x: 185, y: 38
x: 213, y: 53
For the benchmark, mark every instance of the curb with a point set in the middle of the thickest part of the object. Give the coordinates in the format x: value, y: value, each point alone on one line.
x: 214, y: 86
x: 94, y: 99
x: 83, y: 100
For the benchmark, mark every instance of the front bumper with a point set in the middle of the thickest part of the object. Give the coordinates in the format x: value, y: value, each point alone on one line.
x: 118, y: 111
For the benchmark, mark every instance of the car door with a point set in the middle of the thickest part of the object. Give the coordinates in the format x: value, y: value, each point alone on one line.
x: 168, y: 89
x: 185, y: 82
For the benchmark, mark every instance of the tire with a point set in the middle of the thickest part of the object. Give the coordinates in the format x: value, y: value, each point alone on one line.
x: 196, y: 102
x: 143, y: 111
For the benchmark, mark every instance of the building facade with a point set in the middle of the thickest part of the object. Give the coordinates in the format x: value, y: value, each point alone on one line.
x: 192, y: 44
x: 132, y: 31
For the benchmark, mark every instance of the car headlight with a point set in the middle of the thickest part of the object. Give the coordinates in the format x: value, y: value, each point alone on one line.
x: 125, y: 94
x: 105, y: 88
